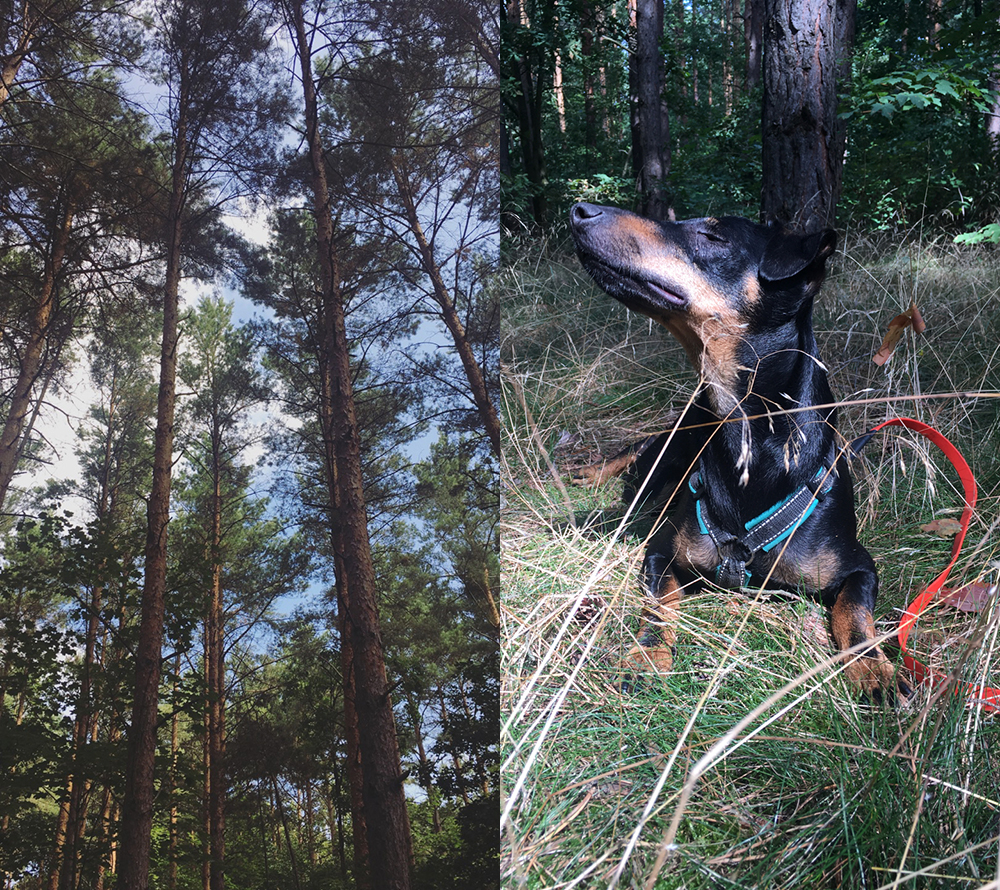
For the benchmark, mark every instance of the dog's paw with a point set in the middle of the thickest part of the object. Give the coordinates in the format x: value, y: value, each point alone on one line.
x: 649, y: 659
x: 879, y: 679
x: 595, y: 475
x: 643, y: 662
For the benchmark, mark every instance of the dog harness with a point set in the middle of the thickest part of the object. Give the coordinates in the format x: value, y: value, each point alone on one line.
x: 763, y: 532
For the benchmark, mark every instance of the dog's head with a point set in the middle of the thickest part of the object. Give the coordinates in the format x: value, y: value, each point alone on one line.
x: 711, y: 282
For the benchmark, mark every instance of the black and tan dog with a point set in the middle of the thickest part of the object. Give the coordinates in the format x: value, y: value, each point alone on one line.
x: 765, y: 494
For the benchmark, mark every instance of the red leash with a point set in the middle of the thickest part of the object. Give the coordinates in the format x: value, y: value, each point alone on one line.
x: 988, y: 697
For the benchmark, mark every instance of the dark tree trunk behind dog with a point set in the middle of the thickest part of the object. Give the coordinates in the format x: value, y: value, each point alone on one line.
x: 526, y: 71
x: 753, y: 25
x: 807, y: 46
x: 993, y: 116
x: 650, y: 125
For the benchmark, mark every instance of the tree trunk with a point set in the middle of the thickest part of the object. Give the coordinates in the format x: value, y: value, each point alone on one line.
x: 105, y: 837
x: 650, y: 133
x: 424, y: 764
x: 807, y: 45
x: 557, y: 89
x: 993, y: 115
x: 74, y: 830
x: 33, y: 355
x: 588, y: 32
x: 528, y: 102
x: 310, y: 824
x: 174, y: 833
x: 206, y: 778
x: 386, y: 816
x: 11, y: 64
x: 289, y: 846
x: 352, y: 737
x: 137, y: 805
x: 335, y: 819
x: 62, y: 825
x: 215, y: 663
x: 492, y: 610
x: 456, y: 761
x: 753, y: 25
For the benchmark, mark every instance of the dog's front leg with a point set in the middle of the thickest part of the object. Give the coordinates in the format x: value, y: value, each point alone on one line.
x: 658, y: 634
x: 853, y: 624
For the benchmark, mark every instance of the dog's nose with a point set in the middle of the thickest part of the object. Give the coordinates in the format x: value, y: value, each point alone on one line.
x: 582, y: 213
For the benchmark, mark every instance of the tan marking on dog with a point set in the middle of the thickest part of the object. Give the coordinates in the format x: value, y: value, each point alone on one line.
x: 656, y: 660
x: 695, y: 551
x: 852, y: 624
x: 751, y: 289
x: 810, y: 571
x: 631, y: 236
x: 710, y: 329
x: 597, y: 474
x: 660, y: 618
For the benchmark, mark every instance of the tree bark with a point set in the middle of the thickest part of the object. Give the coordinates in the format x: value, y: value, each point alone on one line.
x: 352, y: 737
x: 289, y: 846
x: 173, y: 842
x: 588, y: 33
x: 137, y: 805
x: 557, y: 89
x: 807, y: 45
x: 753, y: 25
x: 215, y: 658
x: 528, y: 103
x: 993, y: 115
x: 386, y: 816
x: 425, y: 766
x: 79, y: 786
x: 650, y: 132
x: 62, y: 824
x: 11, y: 63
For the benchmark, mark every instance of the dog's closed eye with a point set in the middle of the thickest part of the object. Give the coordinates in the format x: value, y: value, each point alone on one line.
x: 713, y: 237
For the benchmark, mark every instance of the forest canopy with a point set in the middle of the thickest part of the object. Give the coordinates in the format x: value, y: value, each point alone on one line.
x: 248, y: 627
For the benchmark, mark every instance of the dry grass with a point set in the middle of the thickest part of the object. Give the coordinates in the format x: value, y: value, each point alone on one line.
x: 752, y: 764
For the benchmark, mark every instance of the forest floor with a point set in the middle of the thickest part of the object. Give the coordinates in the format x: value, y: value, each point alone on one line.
x: 803, y: 783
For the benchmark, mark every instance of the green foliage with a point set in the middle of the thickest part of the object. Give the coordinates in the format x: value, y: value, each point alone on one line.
x: 602, y: 189
x: 458, y: 496
x: 988, y: 234
x: 943, y: 89
x: 48, y: 570
x: 918, y: 152
x: 464, y: 852
x: 286, y: 735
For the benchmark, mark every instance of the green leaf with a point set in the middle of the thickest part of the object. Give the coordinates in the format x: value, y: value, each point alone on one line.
x: 915, y: 100
x: 988, y: 234
x: 945, y: 87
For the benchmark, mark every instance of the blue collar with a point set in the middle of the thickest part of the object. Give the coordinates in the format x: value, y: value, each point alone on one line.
x: 762, y: 533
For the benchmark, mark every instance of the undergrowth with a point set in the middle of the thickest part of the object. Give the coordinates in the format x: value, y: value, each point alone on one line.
x: 753, y: 764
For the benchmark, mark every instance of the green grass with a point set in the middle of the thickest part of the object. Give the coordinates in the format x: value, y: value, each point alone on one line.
x: 754, y: 757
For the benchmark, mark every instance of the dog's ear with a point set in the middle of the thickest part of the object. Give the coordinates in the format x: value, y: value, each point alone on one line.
x: 787, y: 255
